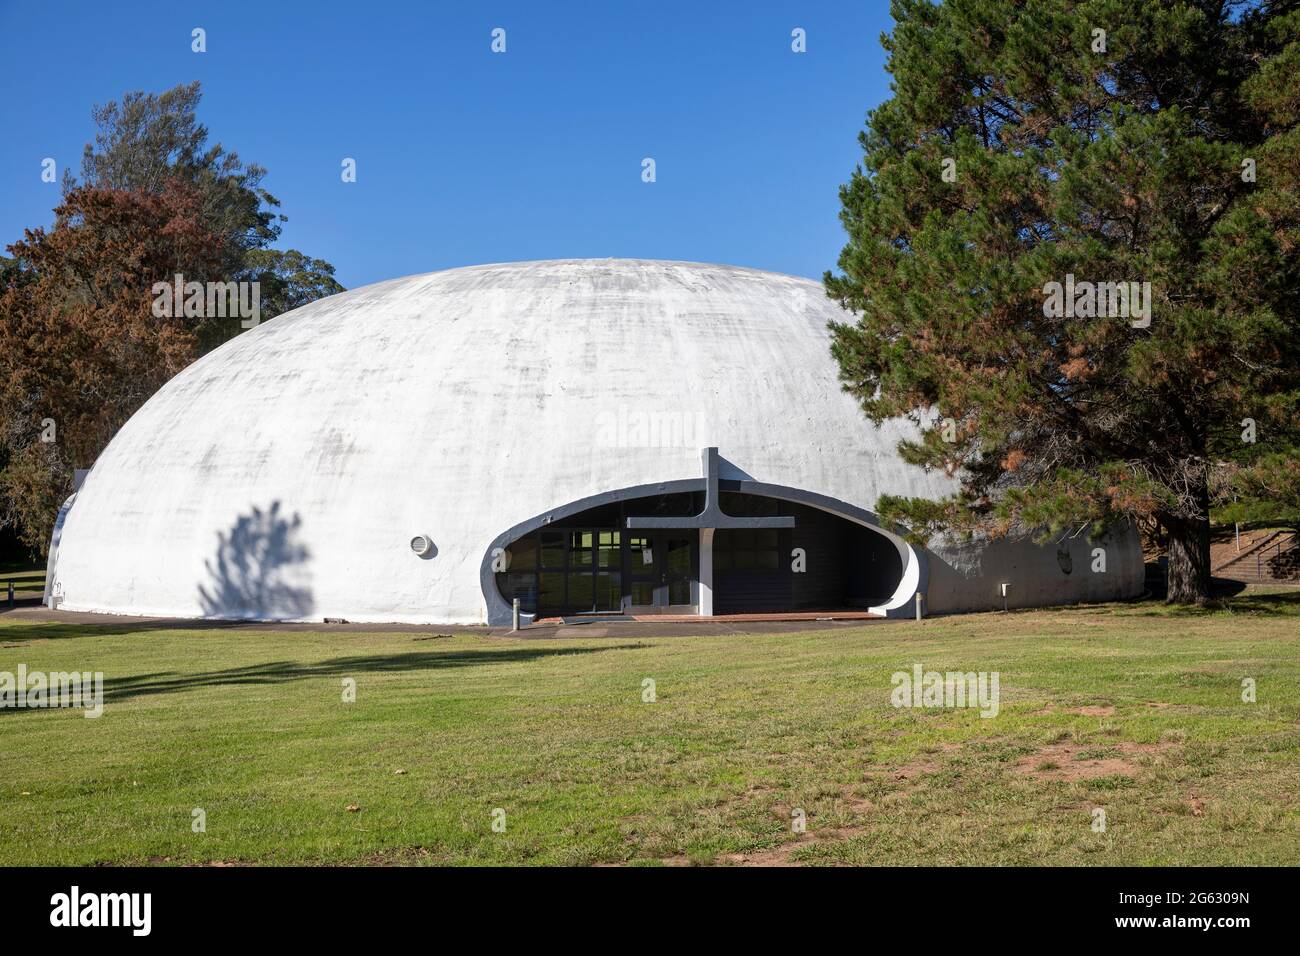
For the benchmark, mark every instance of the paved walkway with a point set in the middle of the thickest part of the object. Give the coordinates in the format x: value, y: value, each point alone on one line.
x: 831, y: 615
x: 651, y: 626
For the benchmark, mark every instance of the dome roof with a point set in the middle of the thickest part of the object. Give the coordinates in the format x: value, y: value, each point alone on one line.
x: 456, y: 405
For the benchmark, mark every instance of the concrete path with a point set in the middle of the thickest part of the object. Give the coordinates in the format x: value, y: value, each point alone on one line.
x: 33, y: 612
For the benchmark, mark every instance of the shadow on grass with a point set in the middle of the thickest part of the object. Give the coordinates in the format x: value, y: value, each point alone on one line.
x: 1280, y: 603
x: 54, y: 631
x: 281, y: 672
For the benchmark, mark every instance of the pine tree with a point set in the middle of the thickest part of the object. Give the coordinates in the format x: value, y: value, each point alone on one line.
x: 1082, y: 144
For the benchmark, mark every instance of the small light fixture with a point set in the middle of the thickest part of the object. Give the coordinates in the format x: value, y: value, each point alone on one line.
x: 422, y: 544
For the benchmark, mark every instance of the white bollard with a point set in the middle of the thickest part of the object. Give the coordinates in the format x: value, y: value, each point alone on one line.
x: 516, y: 616
x: 919, y: 599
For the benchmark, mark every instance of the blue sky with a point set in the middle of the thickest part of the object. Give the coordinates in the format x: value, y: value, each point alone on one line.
x: 465, y: 156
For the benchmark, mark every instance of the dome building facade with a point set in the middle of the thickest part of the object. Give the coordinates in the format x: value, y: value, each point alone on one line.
x: 588, y: 437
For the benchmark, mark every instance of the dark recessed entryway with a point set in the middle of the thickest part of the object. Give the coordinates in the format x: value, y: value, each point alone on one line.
x: 843, y: 564
x: 593, y: 563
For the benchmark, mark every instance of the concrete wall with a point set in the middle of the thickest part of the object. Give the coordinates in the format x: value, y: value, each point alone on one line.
x: 965, y: 576
x: 283, y: 475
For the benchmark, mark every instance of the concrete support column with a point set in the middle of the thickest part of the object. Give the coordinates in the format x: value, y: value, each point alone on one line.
x: 706, y: 572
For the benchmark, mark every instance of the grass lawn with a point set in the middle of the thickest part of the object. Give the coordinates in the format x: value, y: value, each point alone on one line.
x: 29, y: 582
x: 1133, y: 708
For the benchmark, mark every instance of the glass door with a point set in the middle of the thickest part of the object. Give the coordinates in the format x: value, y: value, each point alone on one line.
x: 678, y: 573
x: 579, y: 572
x: 609, y: 579
x: 594, y: 580
x: 661, y: 572
x: 642, y: 572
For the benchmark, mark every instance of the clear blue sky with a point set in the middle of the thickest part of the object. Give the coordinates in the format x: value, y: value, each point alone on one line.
x: 465, y: 156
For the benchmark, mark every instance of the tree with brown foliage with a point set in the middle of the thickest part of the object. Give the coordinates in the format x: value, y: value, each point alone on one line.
x: 80, y: 347
x: 80, y: 350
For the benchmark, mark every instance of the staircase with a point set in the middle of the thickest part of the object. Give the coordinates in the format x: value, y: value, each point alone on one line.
x: 1269, y: 556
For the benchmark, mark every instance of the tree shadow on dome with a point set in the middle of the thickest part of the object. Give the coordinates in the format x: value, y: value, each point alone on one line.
x: 257, y: 570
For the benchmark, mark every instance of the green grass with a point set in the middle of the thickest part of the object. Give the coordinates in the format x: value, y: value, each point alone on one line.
x: 28, y: 581
x: 248, y: 724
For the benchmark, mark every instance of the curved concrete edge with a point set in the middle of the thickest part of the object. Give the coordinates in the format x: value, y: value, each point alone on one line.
x: 52, y: 559
x: 915, y: 565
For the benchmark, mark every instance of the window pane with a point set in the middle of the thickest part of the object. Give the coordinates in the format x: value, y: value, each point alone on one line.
x: 609, y: 593
x: 522, y: 554
x: 552, y: 549
x: 729, y: 539
x: 765, y: 538
x: 743, y: 560
x: 522, y: 585
x: 722, y: 560
x: 679, y: 592
x: 679, y: 556
x: 766, y: 560
x: 581, y: 596
x: 580, y: 549
x: 550, y: 593
x: 742, y: 505
x: 678, y: 505
x: 643, y: 592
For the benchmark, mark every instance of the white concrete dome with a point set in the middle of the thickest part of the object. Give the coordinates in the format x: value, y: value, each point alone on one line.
x: 288, y: 474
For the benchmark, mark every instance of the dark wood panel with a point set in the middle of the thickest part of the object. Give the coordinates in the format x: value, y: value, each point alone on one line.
x: 737, y: 592
x: 822, y: 537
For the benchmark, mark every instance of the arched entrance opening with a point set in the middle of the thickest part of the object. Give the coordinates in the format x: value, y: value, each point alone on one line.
x: 657, y: 549
x: 590, y: 562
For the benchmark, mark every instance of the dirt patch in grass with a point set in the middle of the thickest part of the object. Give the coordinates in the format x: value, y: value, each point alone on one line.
x: 171, y: 861
x: 780, y: 855
x: 1091, y: 710
x: 1070, y: 761
x: 924, y: 763
x: 909, y: 774
x: 755, y: 794
x: 858, y: 804
x: 913, y: 770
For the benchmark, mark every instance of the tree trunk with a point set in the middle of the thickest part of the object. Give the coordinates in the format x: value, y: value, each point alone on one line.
x: 1189, y: 561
